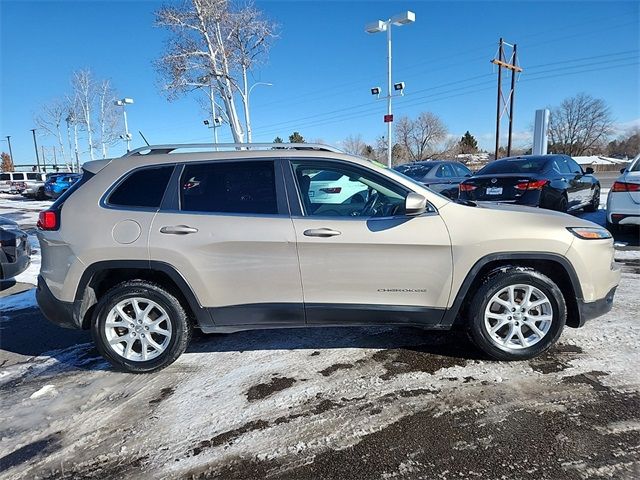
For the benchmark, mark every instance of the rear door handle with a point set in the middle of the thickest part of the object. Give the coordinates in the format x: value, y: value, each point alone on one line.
x: 178, y: 230
x: 321, y: 232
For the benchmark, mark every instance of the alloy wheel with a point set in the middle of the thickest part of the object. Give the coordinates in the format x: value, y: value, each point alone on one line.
x: 138, y: 329
x: 518, y: 316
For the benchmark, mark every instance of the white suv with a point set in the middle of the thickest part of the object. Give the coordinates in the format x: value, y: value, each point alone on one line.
x: 144, y: 248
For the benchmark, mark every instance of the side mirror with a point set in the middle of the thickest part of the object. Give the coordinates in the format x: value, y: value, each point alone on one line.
x: 622, y: 170
x: 415, y: 204
x: 589, y: 170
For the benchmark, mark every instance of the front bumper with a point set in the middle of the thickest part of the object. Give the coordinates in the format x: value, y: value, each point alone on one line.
x: 63, y: 314
x: 590, y: 310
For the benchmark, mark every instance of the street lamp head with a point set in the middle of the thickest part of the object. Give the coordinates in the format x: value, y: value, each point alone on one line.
x: 403, y: 18
x: 206, y: 122
x: 375, y: 91
x: 375, y: 27
x: 398, y: 87
x: 127, y: 101
x: 118, y: 103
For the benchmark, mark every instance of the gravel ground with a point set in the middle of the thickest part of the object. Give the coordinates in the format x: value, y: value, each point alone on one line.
x: 352, y: 403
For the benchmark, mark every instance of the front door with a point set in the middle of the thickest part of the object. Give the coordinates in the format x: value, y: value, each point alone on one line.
x: 229, y: 233
x: 362, y: 260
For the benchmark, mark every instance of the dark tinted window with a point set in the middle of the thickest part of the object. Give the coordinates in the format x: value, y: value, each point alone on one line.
x: 514, y: 166
x: 229, y: 187
x: 143, y: 188
x: 461, y: 170
x: 326, y: 175
x: 33, y: 176
x: 573, y: 165
x: 18, y: 176
x: 445, y: 170
x: 417, y: 172
x: 5, y: 176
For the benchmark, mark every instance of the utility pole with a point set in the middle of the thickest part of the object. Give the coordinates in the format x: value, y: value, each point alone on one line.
x: 505, y: 105
x: 44, y: 160
x: 35, y: 144
x: 10, y: 152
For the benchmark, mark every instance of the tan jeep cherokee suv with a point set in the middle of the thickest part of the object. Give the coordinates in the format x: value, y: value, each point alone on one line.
x: 146, y: 247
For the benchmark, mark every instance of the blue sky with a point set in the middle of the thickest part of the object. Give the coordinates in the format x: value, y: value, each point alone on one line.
x: 323, y: 65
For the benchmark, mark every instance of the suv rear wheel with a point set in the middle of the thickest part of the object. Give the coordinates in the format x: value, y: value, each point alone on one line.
x: 140, y: 327
x: 516, y: 314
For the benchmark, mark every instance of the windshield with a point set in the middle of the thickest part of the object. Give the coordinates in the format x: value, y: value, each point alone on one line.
x: 519, y: 165
x: 635, y: 167
x: 415, y: 171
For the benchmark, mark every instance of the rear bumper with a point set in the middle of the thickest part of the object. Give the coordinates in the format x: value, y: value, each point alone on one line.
x: 63, y: 314
x: 590, y: 310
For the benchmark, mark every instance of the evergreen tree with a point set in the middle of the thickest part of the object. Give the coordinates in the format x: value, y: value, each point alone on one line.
x: 468, y: 143
x: 295, y: 137
x: 278, y: 140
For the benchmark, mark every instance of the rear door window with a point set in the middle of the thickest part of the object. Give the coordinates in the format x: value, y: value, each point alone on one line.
x: 18, y: 176
x: 143, y: 188
x: 445, y: 171
x: 247, y: 187
x: 33, y: 176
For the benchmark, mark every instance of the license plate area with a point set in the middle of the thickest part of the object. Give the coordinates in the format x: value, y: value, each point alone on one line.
x: 494, y: 191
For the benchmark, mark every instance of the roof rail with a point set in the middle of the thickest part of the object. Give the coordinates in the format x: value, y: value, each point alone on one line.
x: 161, y: 149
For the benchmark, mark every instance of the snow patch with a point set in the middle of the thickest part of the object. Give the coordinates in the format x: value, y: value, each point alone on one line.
x: 47, y: 390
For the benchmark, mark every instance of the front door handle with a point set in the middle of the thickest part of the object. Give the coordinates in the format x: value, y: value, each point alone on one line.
x: 178, y: 230
x: 321, y: 232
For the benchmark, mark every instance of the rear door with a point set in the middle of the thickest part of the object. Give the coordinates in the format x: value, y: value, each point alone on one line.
x: 226, y: 228
x: 365, y: 262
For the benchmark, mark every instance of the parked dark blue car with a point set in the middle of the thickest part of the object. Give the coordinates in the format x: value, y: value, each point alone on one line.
x: 441, y: 176
x: 59, y: 183
x: 556, y: 182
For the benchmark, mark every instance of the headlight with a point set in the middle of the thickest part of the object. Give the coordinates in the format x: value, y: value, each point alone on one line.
x: 590, y: 233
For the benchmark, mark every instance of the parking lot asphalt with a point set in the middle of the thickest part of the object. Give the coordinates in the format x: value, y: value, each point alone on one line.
x: 351, y: 403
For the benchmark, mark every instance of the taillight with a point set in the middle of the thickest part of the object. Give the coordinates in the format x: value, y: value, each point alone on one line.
x: 625, y: 187
x: 467, y: 187
x: 48, y: 220
x: 331, y: 190
x: 531, y: 185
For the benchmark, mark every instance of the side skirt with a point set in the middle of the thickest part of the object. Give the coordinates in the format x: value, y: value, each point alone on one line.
x: 294, y: 315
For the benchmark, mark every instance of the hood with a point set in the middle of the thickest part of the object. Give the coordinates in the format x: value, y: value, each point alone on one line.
x: 523, y: 215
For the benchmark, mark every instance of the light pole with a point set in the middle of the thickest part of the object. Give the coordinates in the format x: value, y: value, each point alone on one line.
x: 385, y: 26
x: 10, y: 152
x: 247, y: 118
x: 35, y: 144
x: 123, y: 103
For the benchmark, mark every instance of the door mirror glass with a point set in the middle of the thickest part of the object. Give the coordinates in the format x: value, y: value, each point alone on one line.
x: 415, y: 204
x: 589, y: 170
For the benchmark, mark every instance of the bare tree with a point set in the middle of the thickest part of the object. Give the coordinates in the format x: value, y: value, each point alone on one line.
x: 50, y: 119
x: 580, y: 125
x: 202, y: 52
x: 84, y: 89
x: 250, y: 38
x: 353, y: 144
x: 108, y: 118
x: 419, y: 138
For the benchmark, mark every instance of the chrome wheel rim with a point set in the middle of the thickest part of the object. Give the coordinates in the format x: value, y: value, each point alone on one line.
x: 138, y: 329
x: 518, y: 316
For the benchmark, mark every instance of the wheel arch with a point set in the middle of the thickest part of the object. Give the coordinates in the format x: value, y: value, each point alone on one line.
x: 101, y: 276
x: 553, y: 265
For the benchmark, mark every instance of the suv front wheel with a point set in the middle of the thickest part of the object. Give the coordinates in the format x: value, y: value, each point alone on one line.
x: 140, y: 327
x: 516, y: 314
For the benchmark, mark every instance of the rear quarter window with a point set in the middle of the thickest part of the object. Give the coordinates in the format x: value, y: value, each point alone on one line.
x: 5, y: 176
x: 142, y: 188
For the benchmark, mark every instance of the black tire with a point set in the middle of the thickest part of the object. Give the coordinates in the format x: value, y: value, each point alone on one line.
x: 40, y: 194
x: 562, y: 204
x: 492, y: 285
x: 181, y: 328
x: 595, y: 201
